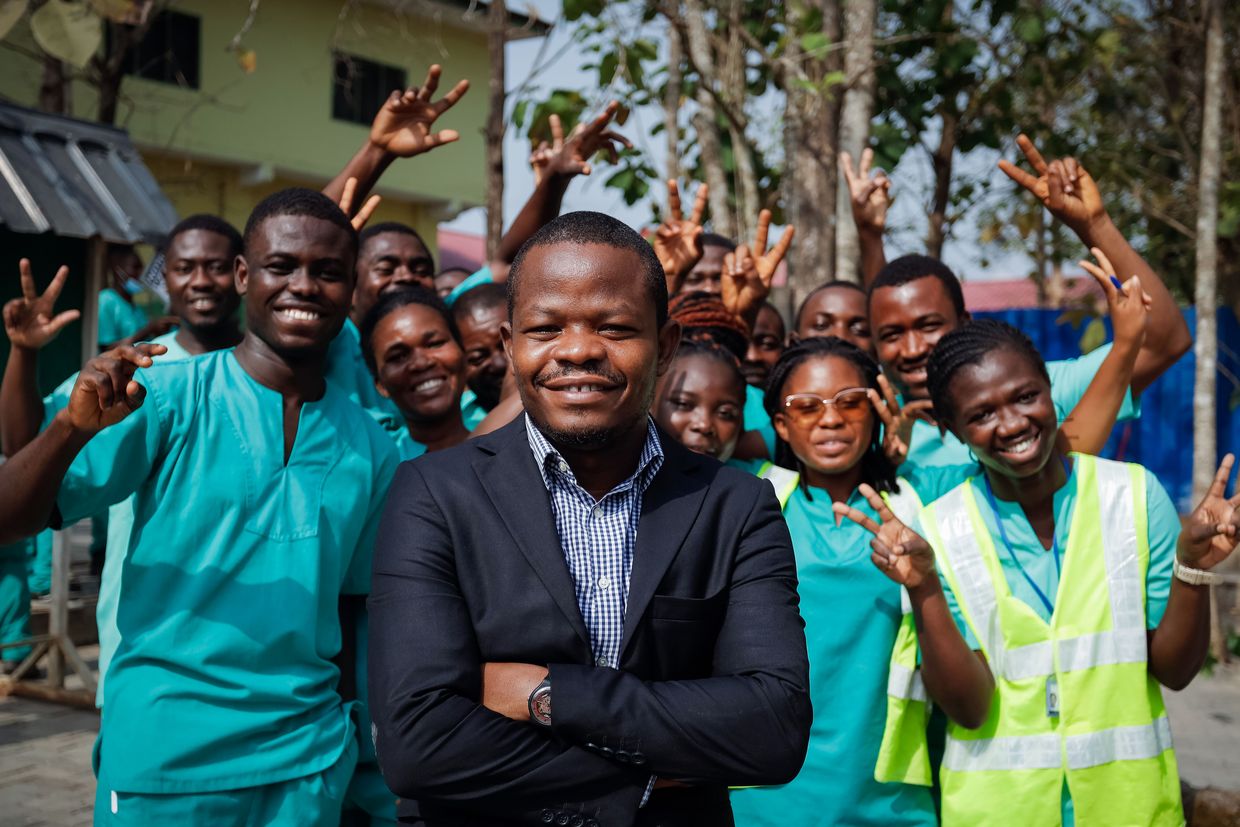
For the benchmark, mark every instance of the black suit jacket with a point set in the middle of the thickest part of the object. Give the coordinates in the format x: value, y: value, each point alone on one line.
x: 713, y: 679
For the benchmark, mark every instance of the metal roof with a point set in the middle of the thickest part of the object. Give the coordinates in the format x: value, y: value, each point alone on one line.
x: 76, y: 178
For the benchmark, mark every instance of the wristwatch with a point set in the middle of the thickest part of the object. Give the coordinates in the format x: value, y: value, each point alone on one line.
x: 1195, y: 577
x: 540, y: 703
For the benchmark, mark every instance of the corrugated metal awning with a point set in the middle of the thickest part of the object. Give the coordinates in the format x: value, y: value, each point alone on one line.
x: 77, y: 179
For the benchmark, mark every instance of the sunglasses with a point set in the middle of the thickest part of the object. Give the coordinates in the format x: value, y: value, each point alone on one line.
x: 805, y: 409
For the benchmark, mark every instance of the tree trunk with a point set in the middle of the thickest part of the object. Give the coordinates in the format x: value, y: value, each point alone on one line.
x: 942, y: 163
x: 735, y: 91
x: 706, y: 122
x: 497, y: 19
x: 671, y: 101
x: 811, y: 116
x: 54, y: 88
x: 1205, y: 440
x: 855, y: 114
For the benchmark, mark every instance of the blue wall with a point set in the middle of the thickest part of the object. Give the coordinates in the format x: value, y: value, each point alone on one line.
x: 1162, y: 438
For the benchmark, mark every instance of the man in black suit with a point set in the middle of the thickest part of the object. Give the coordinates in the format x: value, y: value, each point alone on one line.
x: 574, y: 620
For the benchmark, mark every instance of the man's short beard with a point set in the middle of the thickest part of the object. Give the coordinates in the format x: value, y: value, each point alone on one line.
x: 581, y: 439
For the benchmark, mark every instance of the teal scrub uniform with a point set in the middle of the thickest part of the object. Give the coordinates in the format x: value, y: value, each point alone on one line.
x: 118, y: 522
x: 39, y: 563
x: 472, y: 412
x: 227, y: 614
x: 852, y: 614
x: 1069, y: 379
x: 1163, y: 531
x: 14, y: 599
x: 118, y: 319
x: 756, y: 418
x: 347, y: 370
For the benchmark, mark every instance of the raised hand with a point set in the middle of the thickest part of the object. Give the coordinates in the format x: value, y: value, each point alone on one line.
x: 897, y: 420
x: 572, y: 157
x: 898, y: 551
x: 105, y: 391
x: 678, y: 242
x: 1209, y: 534
x: 1128, y: 305
x: 346, y: 204
x: 1063, y: 186
x: 28, y: 321
x: 749, y: 271
x: 869, y: 194
x: 403, y: 125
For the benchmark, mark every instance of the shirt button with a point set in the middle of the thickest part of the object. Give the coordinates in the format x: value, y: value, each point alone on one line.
x: 604, y: 582
x: 598, y: 512
x: 563, y: 466
x: 601, y: 661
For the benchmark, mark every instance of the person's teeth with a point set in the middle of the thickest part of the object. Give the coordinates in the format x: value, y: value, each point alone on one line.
x: 1022, y: 446
x: 429, y: 384
x: 301, y: 315
x: 202, y: 304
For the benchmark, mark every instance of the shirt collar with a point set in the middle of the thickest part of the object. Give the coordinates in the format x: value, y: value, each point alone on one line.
x: 552, y: 466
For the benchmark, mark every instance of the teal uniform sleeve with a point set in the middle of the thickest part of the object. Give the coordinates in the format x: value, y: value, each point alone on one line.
x: 357, y: 578
x: 115, y: 462
x: 933, y: 481
x: 57, y: 400
x: 952, y: 605
x: 757, y: 419
x: 1163, y: 530
x: 1070, y: 378
x: 117, y: 318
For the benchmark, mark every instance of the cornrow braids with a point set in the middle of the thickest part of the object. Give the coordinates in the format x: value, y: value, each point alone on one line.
x: 700, y: 312
x: 700, y: 343
x: 968, y: 345
x: 876, y: 469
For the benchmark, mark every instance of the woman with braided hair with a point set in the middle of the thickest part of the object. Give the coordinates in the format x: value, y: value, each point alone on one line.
x: 1070, y: 580
x: 701, y: 399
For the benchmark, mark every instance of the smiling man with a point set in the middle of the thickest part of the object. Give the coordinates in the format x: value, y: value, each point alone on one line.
x: 607, y: 625
x: 257, y: 489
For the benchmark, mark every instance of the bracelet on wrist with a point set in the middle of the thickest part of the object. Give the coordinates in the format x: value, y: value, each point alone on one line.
x: 1193, y: 577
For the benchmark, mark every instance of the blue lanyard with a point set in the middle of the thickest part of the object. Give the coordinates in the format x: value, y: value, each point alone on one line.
x: 994, y: 507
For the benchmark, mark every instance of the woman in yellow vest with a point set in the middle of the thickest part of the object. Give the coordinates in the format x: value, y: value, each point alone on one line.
x: 1057, y: 569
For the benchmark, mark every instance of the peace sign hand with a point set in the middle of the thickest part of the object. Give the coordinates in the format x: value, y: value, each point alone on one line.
x: 572, y: 157
x: 403, y: 125
x: 898, y: 551
x: 897, y: 421
x: 678, y: 242
x: 1210, y: 534
x: 1128, y: 305
x: 1064, y: 186
x: 749, y: 271
x: 28, y: 321
x: 346, y: 204
x: 870, y: 195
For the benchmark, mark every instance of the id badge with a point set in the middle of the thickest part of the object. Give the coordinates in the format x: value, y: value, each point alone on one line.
x: 1052, y: 697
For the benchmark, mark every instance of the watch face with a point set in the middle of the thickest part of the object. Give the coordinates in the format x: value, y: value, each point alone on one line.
x: 542, y: 705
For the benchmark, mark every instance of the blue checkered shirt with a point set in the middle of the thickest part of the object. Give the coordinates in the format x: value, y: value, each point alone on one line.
x: 598, y: 537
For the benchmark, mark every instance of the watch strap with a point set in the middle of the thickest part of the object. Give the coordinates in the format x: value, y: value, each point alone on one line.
x: 1194, y: 577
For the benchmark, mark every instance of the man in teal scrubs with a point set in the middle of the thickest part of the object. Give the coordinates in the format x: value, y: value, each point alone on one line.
x: 121, y: 320
x: 221, y: 704
x: 916, y: 300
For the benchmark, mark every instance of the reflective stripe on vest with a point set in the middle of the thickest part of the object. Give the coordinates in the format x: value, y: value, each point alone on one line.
x: 783, y: 480
x: 1039, y: 752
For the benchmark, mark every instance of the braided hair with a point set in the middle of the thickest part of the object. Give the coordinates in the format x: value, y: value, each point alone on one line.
x: 876, y: 469
x: 702, y: 314
x: 700, y: 344
x: 968, y: 345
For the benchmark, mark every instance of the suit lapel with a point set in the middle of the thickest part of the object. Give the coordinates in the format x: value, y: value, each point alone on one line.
x: 512, y: 480
x: 669, y: 510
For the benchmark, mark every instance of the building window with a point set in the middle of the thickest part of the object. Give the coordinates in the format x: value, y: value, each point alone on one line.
x: 361, y: 86
x: 169, y: 53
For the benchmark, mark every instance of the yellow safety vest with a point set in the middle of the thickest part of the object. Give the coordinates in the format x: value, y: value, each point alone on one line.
x: 1110, y: 740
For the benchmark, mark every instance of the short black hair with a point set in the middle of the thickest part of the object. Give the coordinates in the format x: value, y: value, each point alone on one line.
x: 208, y: 223
x: 783, y: 326
x: 298, y: 201
x: 384, y: 227
x: 390, y: 303
x: 833, y: 284
x: 913, y: 267
x: 876, y: 468
x: 483, y: 297
x: 699, y: 345
x: 586, y: 227
x: 716, y: 240
x: 968, y: 345
x: 464, y: 270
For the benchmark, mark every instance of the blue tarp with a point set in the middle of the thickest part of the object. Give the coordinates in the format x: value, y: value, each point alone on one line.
x: 1161, y: 439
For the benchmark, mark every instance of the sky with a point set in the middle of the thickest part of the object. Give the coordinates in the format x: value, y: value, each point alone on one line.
x: 911, y: 179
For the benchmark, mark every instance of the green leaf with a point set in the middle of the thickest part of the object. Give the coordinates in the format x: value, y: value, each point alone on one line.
x: 1029, y: 28
x: 71, y: 32
x: 607, y: 69
x: 518, y: 113
x: 576, y: 9
x: 10, y: 12
x: 814, y: 42
x: 1094, y: 336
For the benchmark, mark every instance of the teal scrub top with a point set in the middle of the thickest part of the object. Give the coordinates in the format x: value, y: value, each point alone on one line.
x: 120, y: 522
x: 1163, y: 531
x: 756, y: 418
x: 118, y: 318
x: 227, y: 612
x: 406, y: 447
x: 1069, y: 380
x: 472, y: 412
x: 347, y: 370
x: 852, y: 614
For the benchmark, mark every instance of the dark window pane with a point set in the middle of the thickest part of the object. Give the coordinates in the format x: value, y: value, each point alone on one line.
x: 360, y: 86
x: 170, y: 51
